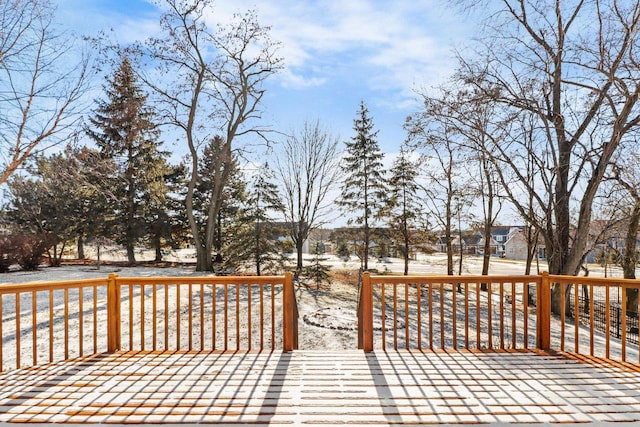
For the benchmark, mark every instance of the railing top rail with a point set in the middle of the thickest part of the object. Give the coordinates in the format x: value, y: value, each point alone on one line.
x: 600, y: 281
x: 11, y: 288
x: 437, y: 279
x: 207, y: 280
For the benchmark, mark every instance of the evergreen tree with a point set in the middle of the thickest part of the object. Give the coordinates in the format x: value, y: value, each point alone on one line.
x: 179, y: 230
x: 90, y: 172
x: 363, y: 190
x: 264, y: 200
x: 38, y: 209
x: 58, y: 199
x: 317, y: 271
x: 402, y: 209
x: 229, y: 241
x: 124, y: 131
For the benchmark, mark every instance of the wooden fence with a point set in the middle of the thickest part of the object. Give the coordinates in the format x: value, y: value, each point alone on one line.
x: 46, y: 322
x: 492, y: 312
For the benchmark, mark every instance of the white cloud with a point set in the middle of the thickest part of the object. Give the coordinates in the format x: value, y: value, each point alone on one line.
x: 394, y: 44
x: 391, y: 47
x: 297, y: 81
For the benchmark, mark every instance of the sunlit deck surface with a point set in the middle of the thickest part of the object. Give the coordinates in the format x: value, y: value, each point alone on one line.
x: 339, y: 387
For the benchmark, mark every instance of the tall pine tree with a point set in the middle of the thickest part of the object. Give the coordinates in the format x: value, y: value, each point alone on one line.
x: 124, y: 131
x: 363, y: 190
x: 403, y: 211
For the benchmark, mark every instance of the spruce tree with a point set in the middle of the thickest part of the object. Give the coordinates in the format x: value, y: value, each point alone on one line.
x: 403, y: 210
x: 318, y: 271
x: 125, y: 132
x: 264, y: 200
x: 363, y: 189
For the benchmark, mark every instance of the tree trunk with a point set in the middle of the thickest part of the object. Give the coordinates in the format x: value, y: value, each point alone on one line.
x: 532, y: 248
x: 366, y: 245
x: 203, y: 259
x: 486, y: 257
x: 81, y: 254
x: 406, y: 255
x: 460, y: 260
x: 257, y: 248
x: 158, y: 248
x: 299, y: 256
x: 131, y: 254
x: 555, y: 262
x: 449, y: 246
x: 630, y: 256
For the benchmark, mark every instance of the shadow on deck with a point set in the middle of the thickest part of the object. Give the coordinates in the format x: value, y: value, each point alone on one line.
x: 301, y: 387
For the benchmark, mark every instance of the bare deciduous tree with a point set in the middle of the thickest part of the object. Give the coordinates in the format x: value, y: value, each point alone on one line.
x: 447, y: 190
x: 573, y: 67
x: 626, y: 175
x: 471, y: 124
x: 308, y: 170
x: 209, y: 82
x: 40, y: 84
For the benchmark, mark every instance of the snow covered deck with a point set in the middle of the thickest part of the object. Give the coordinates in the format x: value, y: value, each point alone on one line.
x: 329, y: 387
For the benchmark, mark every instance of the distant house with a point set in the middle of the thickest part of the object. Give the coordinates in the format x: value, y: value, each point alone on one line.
x: 321, y: 236
x: 500, y: 234
x: 607, y: 237
x: 472, y: 243
x: 466, y: 244
x: 493, y: 246
x: 516, y: 246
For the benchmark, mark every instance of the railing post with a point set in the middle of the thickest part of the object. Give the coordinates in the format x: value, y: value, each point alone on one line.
x: 543, y: 311
x: 623, y: 324
x: 113, y: 314
x: 365, y: 315
x: 289, y: 315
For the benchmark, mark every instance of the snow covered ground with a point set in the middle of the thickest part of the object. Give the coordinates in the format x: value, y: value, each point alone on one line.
x: 425, y: 264
x: 327, y: 315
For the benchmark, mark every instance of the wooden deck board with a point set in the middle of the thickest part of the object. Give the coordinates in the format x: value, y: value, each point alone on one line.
x: 306, y: 388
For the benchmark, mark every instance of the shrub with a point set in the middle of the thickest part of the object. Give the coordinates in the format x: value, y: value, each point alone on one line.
x: 29, y: 249
x: 7, y: 252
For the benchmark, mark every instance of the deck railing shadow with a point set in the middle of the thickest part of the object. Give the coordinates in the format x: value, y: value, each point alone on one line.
x: 51, y: 378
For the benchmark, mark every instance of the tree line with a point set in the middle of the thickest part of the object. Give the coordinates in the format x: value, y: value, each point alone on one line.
x: 540, y: 115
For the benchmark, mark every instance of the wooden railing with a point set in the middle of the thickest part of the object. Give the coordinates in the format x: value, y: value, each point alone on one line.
x: 493, y: 312
x: 446, y: 312
x: 604, y: 320
x: 43, y: 322
x: 46, y: 322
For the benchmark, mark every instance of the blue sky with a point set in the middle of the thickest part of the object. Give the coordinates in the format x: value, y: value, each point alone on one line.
x: 336, y: 53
